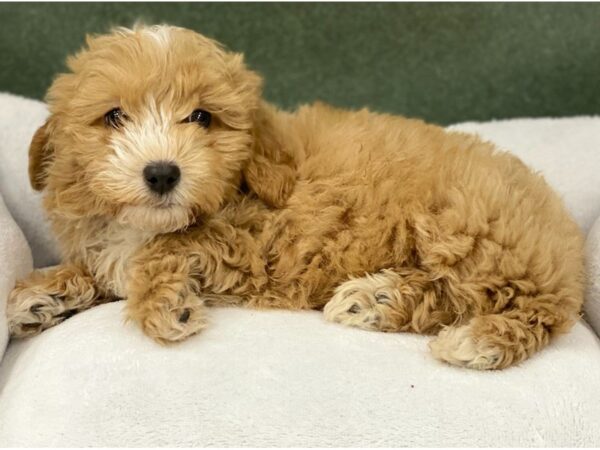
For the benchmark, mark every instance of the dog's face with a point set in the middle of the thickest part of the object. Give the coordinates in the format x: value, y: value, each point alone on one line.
x: 152, y: 128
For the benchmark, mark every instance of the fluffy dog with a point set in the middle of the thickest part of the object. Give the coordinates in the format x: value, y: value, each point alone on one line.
x: 170, y: 183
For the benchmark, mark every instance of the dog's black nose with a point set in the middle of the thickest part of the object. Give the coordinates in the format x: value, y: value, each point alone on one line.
x: 161, y: 177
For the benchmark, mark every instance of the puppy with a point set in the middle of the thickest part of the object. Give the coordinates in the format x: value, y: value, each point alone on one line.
x: 170, y: 183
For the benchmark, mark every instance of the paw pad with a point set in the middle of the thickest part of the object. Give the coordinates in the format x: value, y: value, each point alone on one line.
x: 185, y: 315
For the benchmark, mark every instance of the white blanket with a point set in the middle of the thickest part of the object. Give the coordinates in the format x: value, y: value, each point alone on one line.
x: 592, y: 304
x: 282, y: 378
x: 15, y: 262
x: 279, y: 378
x: 19, y: 118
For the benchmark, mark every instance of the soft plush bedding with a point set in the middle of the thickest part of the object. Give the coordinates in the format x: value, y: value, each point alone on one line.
x: 19, y: 118
x: 280, y: 378
x: 15, y: 262
x: 592, y: 250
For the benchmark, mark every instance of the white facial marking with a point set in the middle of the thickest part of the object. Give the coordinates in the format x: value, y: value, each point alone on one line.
x: 145, y: 140
x: 161, y: 34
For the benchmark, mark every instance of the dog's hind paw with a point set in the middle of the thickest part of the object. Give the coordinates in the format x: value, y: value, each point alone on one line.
x: 372, y: 302
x: 457, y: 346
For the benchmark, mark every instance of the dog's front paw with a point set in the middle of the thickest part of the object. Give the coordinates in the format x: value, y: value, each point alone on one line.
x: 29, y: 312
x: 47, y: 298
x: 171, y: 320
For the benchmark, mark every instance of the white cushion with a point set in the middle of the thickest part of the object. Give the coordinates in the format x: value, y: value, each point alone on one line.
x: 592, y: 302
x: 283, y: 378
x: 19, y: 118
x: 15, y: 262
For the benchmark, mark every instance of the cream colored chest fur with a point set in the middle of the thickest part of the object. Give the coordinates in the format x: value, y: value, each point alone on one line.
x: 106, y: 250
x: 110, y: 264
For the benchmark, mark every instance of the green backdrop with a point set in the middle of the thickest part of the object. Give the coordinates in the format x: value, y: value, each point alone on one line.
x: 444, y: 62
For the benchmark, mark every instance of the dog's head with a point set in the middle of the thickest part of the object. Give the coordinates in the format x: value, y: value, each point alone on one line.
x: 153, y: 127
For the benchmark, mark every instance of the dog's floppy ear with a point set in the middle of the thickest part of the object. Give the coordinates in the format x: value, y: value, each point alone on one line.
x: 271, y: 171
x: 40, y: 155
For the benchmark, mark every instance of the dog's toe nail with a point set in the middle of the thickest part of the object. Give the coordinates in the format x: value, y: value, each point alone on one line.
x: 185, y: 315
x: 354, y: 309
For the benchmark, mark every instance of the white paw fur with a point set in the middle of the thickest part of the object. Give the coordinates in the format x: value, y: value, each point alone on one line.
x: 370, y: 302
x: 456, y: 345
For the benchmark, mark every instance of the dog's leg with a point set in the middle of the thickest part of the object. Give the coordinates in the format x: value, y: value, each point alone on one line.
x: 385, y: 301
x: 162, y: 297
x: 49, y: 296
x: 496, y: 341
x: 174, y: 279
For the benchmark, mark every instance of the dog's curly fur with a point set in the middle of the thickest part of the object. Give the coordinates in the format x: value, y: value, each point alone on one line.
x: 386, y: 223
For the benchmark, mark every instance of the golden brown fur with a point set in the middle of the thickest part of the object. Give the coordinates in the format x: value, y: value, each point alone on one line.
x: 385, y: 222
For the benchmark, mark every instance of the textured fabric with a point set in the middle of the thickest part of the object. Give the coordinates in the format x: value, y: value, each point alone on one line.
x: 445, y: 62
x: 282, y: 378
x: 15, y: 262
x: 592, y: 304
x: 19, y: 118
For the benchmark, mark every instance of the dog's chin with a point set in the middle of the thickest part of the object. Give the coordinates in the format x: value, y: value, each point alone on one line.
x: 155, y: 219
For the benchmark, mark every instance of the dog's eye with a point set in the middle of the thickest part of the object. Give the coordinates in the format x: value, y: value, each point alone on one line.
x: 114, y: 118
x: 200, y: 116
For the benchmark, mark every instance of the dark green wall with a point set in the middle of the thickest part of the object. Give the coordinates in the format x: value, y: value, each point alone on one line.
x: 444, y: 62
